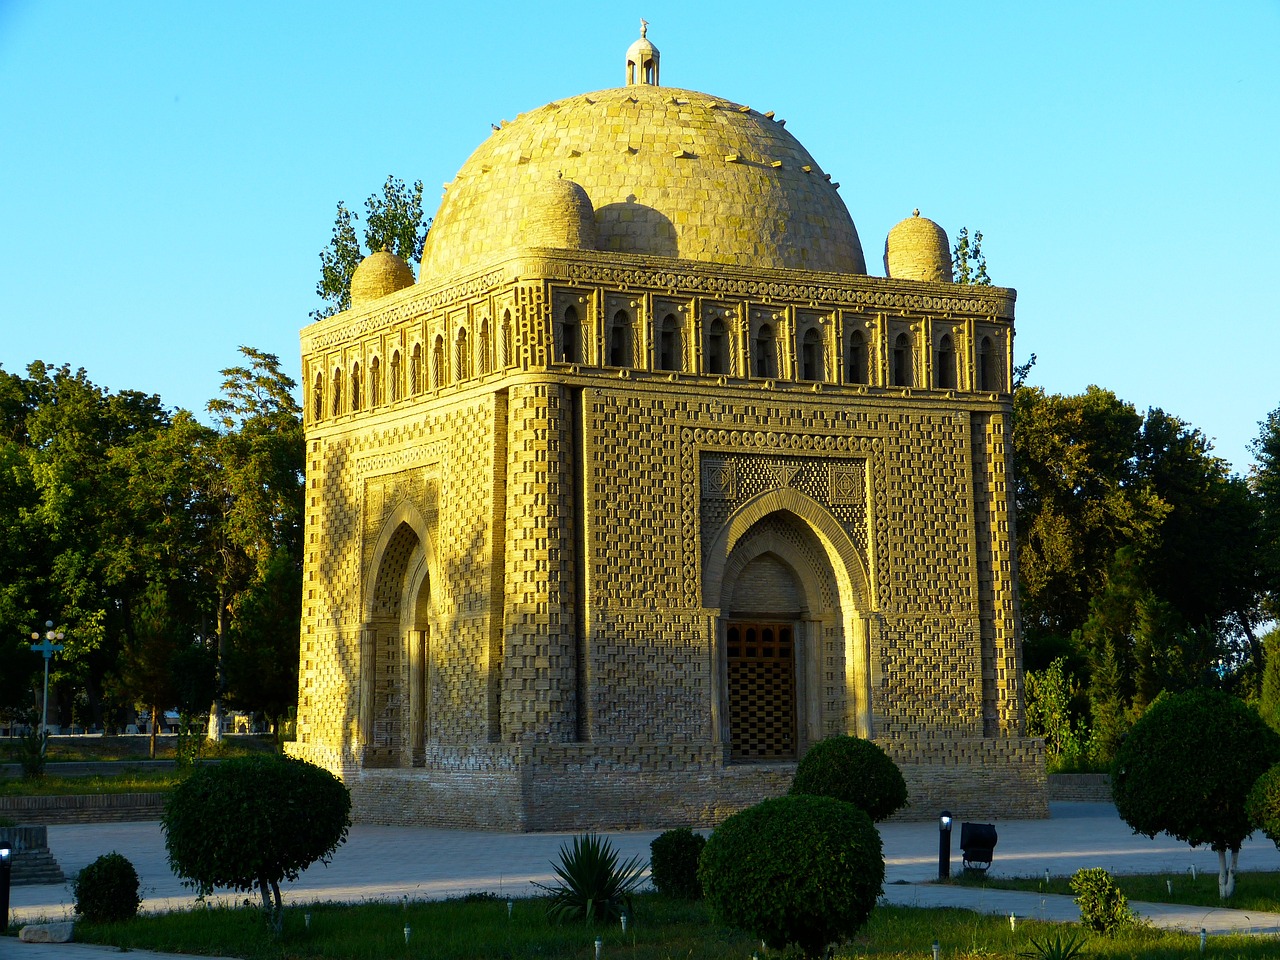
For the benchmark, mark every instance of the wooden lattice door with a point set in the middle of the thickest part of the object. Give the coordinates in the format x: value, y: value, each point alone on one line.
x: 762, y: 690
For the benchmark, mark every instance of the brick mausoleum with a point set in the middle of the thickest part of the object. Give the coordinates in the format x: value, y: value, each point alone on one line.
x: 645, y: 486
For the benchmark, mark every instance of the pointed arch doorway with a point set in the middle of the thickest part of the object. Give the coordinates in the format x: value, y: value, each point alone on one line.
x: 395, y: 651
x: 793, y: 642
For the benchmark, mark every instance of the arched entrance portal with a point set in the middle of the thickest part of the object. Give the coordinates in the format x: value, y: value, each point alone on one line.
x: 793, y: 640
x: 395, y: 652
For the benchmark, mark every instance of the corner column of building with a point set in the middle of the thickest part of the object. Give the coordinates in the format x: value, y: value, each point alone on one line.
x: 541, y: 663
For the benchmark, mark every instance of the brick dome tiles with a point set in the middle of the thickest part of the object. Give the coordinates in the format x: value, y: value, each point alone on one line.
x: 668, y: 172
x: 377, y: 275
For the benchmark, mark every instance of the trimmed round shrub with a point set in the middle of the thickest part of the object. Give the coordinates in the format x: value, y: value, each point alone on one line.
x: 251, y: 822
x: 1262, y: 805
x: 855, y: 771
x: 106, y: 891
x: 797, y: 870
x: 673, y: 863
x: 1187, y: 766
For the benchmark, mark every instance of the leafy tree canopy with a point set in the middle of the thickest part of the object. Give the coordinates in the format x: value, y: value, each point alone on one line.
x: 1187, y: 767
x: 968, y: 263
x: 393, y: 221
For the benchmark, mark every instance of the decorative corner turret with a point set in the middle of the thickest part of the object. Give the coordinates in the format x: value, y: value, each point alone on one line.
x: 642, y: 59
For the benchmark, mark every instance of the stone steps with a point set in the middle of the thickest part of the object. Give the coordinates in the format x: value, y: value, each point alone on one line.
x: 31, y: 861
x: 35, y: 866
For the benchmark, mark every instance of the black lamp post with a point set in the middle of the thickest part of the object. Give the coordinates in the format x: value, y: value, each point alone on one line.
x: 944, y: 845
x: 6, y: 868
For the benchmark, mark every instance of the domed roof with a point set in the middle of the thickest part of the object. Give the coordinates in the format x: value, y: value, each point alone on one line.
x: 377, y: 275
x: 917, y: 249
x: 558, y: 214
x: 668, y: 172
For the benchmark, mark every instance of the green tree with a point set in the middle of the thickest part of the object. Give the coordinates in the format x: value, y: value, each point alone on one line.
x: 393, y: 221
x: 1131, y: 534
x: 252, y: 822
x: 968, y: 264
x: 93, y: 569
x: 1053, y: 713
x: 1269, y: 700
x: 154, y: 635
x: 1186, y: 769
x: 255, y: 484
x: 1264, y: 480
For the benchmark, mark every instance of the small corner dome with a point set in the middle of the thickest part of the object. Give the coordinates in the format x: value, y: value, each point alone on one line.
x: 918, y: 249
x: 558, y: 214
x: 378, y: 275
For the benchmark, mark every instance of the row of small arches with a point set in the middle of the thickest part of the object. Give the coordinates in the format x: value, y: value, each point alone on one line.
x: 352, y: 390
x: 811, y: 359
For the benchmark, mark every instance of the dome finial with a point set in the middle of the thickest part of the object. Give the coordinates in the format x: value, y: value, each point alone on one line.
x: 642, y: 59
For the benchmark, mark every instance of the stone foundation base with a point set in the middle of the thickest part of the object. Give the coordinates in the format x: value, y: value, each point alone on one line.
x: 552, y: 787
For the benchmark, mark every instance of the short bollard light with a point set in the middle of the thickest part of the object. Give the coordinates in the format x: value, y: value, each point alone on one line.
x: 306, y: 921
x: 407, y: 933
x: 511, y: 905
x: 1193, y: 873
x: 1203, y: 937
x: 944, y: 845
x: 1013, y: 922
x: 6, y: 869
x: 599, y: 947
x: 624, y: 923
x: 937, y: 947
x: 1169, y: 884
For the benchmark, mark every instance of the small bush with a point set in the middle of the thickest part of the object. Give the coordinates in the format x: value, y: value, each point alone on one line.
x: 593, y: 885
x: 855, y: 771
x: 106, y: 891
x: 1103, y: 908
x: 33, y: 748
x: 798, y: 869
x: 673, y: 863
x: 1263, y: 804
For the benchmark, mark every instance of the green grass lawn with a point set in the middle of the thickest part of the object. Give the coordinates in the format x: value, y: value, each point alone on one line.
x: 133, y: 747
x: 127, y: 781
x: 659, y: 929
x: 1254, y: 891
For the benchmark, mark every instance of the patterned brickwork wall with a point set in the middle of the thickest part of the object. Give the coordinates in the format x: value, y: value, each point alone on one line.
x: 976, y: 779
x: 586, y: 786
x: 441, y: 464
x: 566, y: 640
x: 459, y: 665
x: 999, y: 577
x: 541, y: 669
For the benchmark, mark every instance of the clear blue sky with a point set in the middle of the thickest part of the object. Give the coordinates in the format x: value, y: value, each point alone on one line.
x: 169, y: 171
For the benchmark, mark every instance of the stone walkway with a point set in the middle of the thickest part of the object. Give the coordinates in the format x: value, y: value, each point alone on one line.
x: 380, y: 863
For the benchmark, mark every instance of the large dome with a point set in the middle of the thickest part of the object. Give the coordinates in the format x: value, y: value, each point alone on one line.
x: 668, y: 173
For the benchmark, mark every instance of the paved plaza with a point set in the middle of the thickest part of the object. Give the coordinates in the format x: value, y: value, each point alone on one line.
x: 381, y: 863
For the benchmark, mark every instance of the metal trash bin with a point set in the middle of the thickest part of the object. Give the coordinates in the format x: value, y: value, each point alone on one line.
x: 977, y: 840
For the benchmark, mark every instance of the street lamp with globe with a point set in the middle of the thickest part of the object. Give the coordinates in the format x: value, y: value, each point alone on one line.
x: 48, y: 648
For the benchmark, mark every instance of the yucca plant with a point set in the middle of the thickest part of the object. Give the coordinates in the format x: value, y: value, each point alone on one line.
x: 593, y: 884
x: 1056, y: 947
